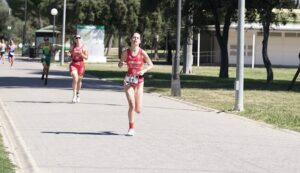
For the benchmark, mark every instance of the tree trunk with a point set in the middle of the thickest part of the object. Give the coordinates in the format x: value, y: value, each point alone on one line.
x: 41, y: 21
x: 155, y: 46
x: 188, y: 47
x: 267, y: 62
x: 121, y: 45
x: 171, y: 46
x: 109, y: 43
x: 224, y: 62
x: 223, y: 39
x: 223, y: 42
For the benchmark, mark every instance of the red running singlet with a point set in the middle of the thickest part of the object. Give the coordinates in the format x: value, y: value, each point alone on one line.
x: 135, y: 64
x: 77, y: 61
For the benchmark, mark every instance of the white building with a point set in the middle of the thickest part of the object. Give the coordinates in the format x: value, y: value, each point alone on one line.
x: 283, y: 44
x: 283, y: 47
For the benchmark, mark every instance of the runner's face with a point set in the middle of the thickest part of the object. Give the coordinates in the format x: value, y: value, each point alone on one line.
x: 77, y: 40
x: 136, y: 39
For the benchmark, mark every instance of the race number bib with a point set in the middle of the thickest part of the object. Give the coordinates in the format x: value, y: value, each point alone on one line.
x: 131, y: 79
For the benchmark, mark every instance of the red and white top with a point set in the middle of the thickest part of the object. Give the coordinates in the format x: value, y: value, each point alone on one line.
x: 135, y: 64
x: 76, y: 51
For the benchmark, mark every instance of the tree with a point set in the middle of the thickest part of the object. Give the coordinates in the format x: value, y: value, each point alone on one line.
x: 223, y: 12
x: 10, y: 26
x: 188, y: 37
x: 267, y: 16
x: 124, y: 19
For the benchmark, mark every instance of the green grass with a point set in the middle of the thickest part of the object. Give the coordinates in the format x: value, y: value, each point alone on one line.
x: 270, y: 103
x: 5, y: 164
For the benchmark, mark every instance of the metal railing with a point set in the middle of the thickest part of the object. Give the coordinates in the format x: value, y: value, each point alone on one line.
x: 206, y: 57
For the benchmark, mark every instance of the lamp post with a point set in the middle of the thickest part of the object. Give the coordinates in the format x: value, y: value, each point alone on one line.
x: 63, y: 34
x: 175, y: 82
x: 24, y: 28
x: 53, y: 13
x: 239, y: 81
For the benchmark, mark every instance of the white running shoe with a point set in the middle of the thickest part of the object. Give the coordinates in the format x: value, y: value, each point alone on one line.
x: 130, y: 132
x: 74, y: 100
x: 77, y: 99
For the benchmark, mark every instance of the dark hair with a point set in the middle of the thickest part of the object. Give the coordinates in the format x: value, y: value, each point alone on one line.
x: 135, y: 33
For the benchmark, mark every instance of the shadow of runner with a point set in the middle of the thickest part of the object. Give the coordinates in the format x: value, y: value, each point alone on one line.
x: 36, y: 82
x: 66, y: 102
x: 104, y: 133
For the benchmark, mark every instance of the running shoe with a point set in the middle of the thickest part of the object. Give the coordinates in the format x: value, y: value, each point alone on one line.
x: 74, y: 100
x: 77, y: 99
x: 130, y: 132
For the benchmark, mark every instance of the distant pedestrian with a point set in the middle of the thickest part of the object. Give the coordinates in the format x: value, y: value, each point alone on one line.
x: 79, y: 53
x: 11, y: 52
x: 134, y: 58
x: 46, y: 48
x: 2, y: 50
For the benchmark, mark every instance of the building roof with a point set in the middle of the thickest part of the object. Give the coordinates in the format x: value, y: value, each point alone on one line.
x: 279, y: 27
x: 47, y: 29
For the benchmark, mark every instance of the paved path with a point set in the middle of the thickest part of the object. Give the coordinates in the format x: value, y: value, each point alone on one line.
x: 49, y: 134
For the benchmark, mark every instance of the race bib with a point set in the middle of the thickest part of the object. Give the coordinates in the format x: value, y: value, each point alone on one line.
x: 131, y: 79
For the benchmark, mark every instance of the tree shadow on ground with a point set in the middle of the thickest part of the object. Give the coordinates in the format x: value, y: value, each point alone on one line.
x: 162, y: 80
x: 57, y: 79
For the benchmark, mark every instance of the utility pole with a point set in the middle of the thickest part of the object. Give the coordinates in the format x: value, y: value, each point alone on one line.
x: 62, y: 58
x: 175, y: 83
x: 24, y: 28
x: 239, y: 81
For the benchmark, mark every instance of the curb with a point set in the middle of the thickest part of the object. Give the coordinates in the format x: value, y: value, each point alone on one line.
x: 19, y: 156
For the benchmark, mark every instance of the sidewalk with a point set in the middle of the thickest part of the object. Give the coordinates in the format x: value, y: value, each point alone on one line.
x: 49, y: 134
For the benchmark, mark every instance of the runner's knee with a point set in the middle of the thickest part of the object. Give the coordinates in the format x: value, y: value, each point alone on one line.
x: 138, y: 110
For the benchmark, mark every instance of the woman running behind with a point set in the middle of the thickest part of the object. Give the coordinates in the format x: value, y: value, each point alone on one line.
x: 134, y: 57
x: 11, y: 52
x: 46, y: 48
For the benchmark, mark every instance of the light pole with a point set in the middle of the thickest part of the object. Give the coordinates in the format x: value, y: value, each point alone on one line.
x: 53, y: 13
x: 24, y: 28
x: 175, y: 82
x: 239, y: 81
x: 63, y: 35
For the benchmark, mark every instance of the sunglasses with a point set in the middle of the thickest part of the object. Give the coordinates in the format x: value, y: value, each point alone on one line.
x: 77, y: 38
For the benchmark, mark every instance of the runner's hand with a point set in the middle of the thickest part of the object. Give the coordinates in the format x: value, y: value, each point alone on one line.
x: 121, y: 64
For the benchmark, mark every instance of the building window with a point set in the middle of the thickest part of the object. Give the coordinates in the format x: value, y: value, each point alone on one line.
x: 247, y: 50
x: 233, y: 46
x: 259, y: 34
x: 275, y: 34
x: 233, y: 53
x: 290, y: 34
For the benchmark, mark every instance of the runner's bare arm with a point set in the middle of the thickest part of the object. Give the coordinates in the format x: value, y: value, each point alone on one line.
x: 84, y: 54
x: 123, y: 59
x: 148, y: 61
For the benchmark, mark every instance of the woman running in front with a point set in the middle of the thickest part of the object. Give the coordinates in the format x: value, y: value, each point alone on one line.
x: 11, y: 52
x: 134, y: 57
x: 79, y: 53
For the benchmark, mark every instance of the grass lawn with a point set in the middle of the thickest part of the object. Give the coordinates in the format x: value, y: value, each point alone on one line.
x: 270, y: 103
x: 5, y: 165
